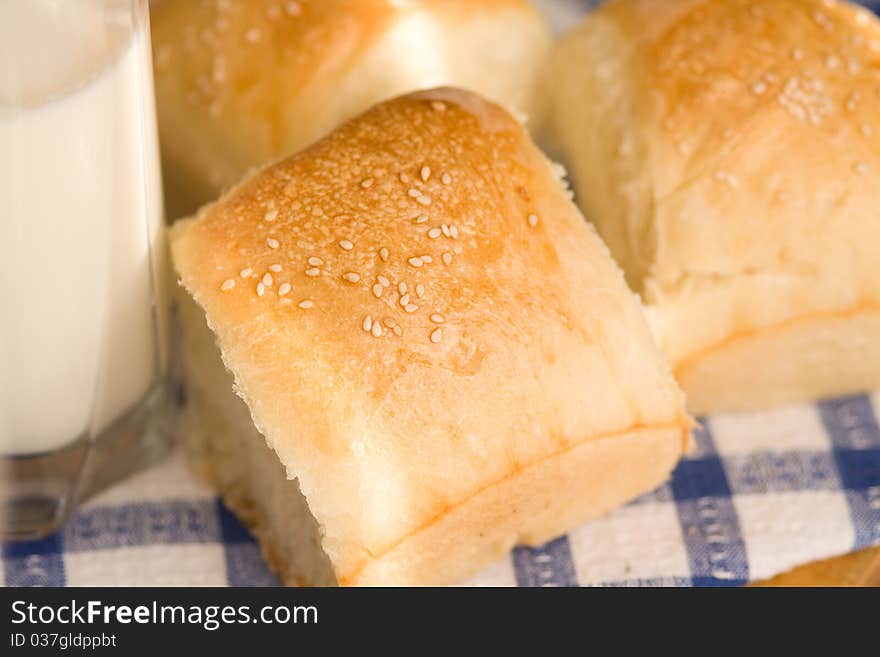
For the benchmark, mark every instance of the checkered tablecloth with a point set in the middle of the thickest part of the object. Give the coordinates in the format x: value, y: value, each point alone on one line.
x: 758, y: 494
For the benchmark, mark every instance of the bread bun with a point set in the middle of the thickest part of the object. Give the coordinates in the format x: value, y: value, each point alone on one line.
x: 729, y: 153
x: 432, y: 341
x: 239, y: 84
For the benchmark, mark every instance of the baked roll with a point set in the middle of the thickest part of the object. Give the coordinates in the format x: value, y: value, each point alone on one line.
x: 241, y: 83
x: 437, y: 349
x: 729, y: 153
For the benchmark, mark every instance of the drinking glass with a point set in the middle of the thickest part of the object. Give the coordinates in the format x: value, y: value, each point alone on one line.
x: 83, y: 338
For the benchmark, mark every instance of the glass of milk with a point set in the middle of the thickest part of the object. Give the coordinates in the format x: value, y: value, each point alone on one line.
x: 82, y: 311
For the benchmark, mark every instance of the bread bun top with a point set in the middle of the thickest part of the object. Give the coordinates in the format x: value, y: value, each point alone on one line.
x: 414, y: 310
x: 239, y: 84
x: 762, y: 123
x: 738, y: 140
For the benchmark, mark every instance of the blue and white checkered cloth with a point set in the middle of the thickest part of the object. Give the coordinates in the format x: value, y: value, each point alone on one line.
x: 758, y: 494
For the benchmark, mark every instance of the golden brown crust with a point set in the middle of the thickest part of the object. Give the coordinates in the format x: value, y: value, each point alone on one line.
x: 240, y: 84
x: 514, y: 338
x: 236, y: 61
x: 740, y: 151
x: 860, y: 568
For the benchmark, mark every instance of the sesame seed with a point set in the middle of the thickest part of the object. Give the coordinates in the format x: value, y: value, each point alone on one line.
x: 533, y: 220
x: 860, y: 167
x: 261, y: 289
x: 367, y: 183
x: 270, y: 216
x: 411, y: 307
x: 377, y: 290
x: 272, y: 242
x: 437, y: 318
x: 434, y: 233
x: 447, y: 258
x: 346, y: 245
x: 422, y: 218
x: 267, y: 280
x: 415, y: 193
x: 427, y: 259
x: 252, y: 35
x: 351, y: 277
x: 730, y: 179
x: 403, y: 177
x: 453, y: 232
x: 832, y: 61
x: 275, y: 268
x: 285, y: 302
x: 423, y: 200
x: 292, y: 8
x: 425, y: 173
x: 391, y: 324
x: 420, y: 290
x: 436, y: 335
x: 446, y: 178
x: 867, y: 130
x: 822, y: 20
x: 227, y: 285
x: 306, y: 303
x: 797, y: 54
x: 383, y: 254
x: 315, y: 261
x: 377, y: 330
x: 438, y: 106
x: 445, y: 229
x: 384, y: 282
x: 401, y: 287
x: 415, y: 262
x: 367, y: 324
x: 404, y: 299
x: 244, y: 273
x: 852, y: 100
x: 759, y: 88
x: 314, y: 271
x: 283, y: 289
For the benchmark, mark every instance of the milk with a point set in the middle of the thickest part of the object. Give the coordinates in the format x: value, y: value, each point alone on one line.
x: 80, y: 221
